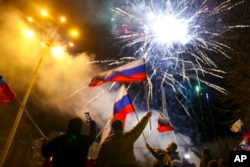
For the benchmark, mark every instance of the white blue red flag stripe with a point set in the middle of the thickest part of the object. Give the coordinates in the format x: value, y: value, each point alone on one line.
x: 6, y: 94
x: 123, y: 105
x: 163, y: 124
x: 131, y: 72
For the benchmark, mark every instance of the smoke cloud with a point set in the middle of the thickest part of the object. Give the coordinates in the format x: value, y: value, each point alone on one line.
x: 61, y: 85
x: 157, y: 139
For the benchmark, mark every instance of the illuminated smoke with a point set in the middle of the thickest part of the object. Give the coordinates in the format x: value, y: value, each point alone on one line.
x: 157, y: 139
x: 58, y: 78
x: 174, y: 64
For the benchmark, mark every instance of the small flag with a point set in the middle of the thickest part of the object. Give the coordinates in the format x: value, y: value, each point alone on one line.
x: 163, y: 124
x: 6, y: 94
x: 131, y: 72
x: 238, y: 126
x: 123, y: 105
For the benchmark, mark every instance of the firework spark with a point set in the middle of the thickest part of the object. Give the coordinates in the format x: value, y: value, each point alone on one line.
x: 176, y: 38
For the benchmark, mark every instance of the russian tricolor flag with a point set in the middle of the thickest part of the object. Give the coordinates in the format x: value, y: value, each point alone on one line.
x: 163, y: 124
x: 6, y: 94
x: 131, y: 72
x: 123, y: 105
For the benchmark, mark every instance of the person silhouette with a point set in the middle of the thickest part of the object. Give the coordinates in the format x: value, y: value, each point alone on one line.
x: 70, y: 149
x: 117, y: 150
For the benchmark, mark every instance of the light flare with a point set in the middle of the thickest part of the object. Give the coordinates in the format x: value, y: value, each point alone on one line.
x: 28, y: 33
x: 177, y: 38
x: 170, y: 30
x: 57, y: 52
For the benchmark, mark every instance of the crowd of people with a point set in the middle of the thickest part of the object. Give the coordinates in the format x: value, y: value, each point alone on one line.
x: 117, y: 150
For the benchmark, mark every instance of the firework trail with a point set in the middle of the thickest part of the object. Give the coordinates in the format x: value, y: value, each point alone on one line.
x: 179, y: 39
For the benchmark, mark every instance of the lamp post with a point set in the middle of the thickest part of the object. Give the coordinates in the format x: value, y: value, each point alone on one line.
x: 27, y: 92
x: 21, y: 108
x: 24, y: 101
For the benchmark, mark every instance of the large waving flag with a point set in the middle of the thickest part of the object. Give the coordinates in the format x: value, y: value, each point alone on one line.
x: 123, y: 105
x: 6, y: 94
x: 163, y: 124
x: 131, y: 72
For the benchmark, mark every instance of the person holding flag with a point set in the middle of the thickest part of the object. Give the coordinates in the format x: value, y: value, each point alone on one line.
x: 122, y: 107
x: 117, y: 150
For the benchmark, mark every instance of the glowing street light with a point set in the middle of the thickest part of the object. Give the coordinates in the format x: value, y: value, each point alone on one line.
x: 30, y: 19
x: 71, y: 44
x: 28, y: 33
x: 74, y: 33
x: 21, y: 108
x: 57, y: 52
x: 44, y: 13
x: 62, y: 19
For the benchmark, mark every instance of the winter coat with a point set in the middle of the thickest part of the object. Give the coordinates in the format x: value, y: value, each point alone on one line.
x: 117, y: 149
x: 70, y: 149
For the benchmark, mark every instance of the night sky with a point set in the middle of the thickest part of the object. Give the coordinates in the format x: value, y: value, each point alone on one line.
x: 60, y: 91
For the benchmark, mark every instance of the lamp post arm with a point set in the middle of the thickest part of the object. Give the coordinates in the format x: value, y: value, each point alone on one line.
x: 21, y: 108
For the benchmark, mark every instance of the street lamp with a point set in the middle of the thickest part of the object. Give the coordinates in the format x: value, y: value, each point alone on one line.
x: 47, y: 44
x: 21, y: 108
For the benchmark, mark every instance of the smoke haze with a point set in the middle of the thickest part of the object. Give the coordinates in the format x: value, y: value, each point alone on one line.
x: 62, y: 84
x: 57, y: 79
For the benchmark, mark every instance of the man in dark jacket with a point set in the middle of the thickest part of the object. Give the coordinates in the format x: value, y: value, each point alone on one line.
x: 164, y: 157
x: 70, y: 149
x: 117, y: 150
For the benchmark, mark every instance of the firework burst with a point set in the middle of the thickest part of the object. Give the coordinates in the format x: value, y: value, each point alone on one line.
x: 179, y: 39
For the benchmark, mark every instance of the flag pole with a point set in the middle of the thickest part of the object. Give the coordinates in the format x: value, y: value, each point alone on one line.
x: 142, y: 132
x: 21, y: 108
x: 147, y: 101
x: 138, y: 121
x: 31, y: 119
